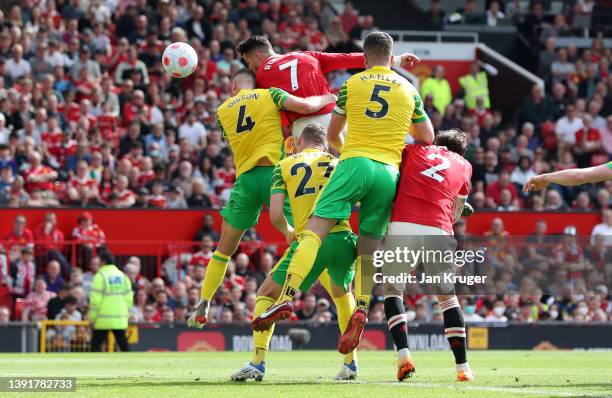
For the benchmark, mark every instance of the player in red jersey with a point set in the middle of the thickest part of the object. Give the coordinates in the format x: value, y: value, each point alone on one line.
x: 434, y: 184
x: 302, y: 73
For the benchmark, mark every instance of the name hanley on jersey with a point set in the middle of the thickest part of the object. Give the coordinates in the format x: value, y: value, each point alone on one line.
x: 379, y: 76
x: 243, y: 97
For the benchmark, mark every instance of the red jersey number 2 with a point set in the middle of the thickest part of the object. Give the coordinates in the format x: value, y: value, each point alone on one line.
x: 292, y: 66
x: 432, y: 172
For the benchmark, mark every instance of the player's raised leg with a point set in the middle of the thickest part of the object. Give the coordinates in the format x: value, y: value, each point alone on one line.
x: 454, y: 330
x: 309, y: 242
x: 215, y: 272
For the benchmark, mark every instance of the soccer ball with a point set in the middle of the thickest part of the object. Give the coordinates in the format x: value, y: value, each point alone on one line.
x: 179, y: 60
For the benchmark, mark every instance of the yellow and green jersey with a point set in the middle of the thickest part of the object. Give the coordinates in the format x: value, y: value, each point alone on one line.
x: 301, y: 177
x: 251, y: 123
x: 380, y: 107
x: 610, y: 165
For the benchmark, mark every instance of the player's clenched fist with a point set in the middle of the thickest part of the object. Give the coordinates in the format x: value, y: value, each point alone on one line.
x: 409, y: 60
x: 536, y: 183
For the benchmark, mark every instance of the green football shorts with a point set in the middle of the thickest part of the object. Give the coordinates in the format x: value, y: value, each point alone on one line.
x: 365, y: 181
x: 249, y: 193
x: 337, y: 254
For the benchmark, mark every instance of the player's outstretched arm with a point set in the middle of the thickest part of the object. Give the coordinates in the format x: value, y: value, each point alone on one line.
x: 570, y: 177
x: 277, y: 216
x: 309, y: 104
x: 334, y: 61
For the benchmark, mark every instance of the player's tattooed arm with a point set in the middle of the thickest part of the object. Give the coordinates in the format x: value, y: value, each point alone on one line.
x: 458, y: 206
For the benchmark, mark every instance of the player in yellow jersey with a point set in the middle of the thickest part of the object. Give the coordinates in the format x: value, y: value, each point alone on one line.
x: 300, y: 178
x: 381, y: 108
x: 250, y: 121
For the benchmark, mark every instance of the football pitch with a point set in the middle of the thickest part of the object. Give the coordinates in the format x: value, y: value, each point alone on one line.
x: 310, y: 374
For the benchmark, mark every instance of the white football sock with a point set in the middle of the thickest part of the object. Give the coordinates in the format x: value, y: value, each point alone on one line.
x: 403, y: 353
x: 464, y: 366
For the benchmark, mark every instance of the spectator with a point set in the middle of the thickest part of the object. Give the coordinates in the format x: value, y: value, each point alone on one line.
x: 50, y: 241
x: 56, y: 304
x: 207, y: 229
x: 436, y: 15
x: 131, y: 66
x: 474, y: 85
x: 193, y: 131
x: 53, y: 277
x: 562, y: 68
x: 35, y: 303
x: 23, y: 273
x: 494, y: 14
x: 497, y: 313
x: 588, y: 142
x: 39, y: 176
x: 19, y: 236
x: 5, y: 315
x: 567, y: 127
x: 439, y: 88
x: 536, y: 109
x: 604, y: 228
x: 16, y: 66
x: 494, y: 190
x: 89, y: 236
x: 308, y: 309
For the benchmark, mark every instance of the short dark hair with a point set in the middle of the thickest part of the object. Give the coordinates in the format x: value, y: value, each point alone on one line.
x: 378, y: 45
x: 454, y: 140
x: 70, y: 300
x: 106, y: 257
x: 246, y: 73
x: 315, y: 133
x: 254, y: 43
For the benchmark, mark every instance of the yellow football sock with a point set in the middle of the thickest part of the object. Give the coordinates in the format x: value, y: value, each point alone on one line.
x: 261, y: 340
x: 345, y: 306
x: 301, y: 264
x: 364, y: 281
x: 215, y: 272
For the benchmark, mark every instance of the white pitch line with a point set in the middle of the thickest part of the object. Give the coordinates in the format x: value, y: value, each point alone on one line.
x: 520, y: 390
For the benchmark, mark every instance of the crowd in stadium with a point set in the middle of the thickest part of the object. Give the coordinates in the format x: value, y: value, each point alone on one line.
x: 88, y: 119
x: 542, y: 277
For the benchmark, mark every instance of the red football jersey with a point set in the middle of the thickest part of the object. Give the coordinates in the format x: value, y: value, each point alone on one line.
x: 431, y: 178
x: 302, y: 74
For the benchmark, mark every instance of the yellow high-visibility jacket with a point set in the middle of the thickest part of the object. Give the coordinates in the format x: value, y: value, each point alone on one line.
x: 110, y: 299
x: 475, y: 87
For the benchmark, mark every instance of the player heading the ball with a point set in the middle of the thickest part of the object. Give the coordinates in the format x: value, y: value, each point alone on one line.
x: 302, y: 73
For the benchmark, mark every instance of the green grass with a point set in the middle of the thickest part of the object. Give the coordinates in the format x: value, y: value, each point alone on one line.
x: 310, y: 374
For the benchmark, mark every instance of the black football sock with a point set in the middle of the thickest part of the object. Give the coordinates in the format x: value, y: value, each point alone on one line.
x: 454, y: 328
x: 397, y: 322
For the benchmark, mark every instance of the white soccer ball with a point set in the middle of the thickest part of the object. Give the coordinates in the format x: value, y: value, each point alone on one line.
x: 179, y: 60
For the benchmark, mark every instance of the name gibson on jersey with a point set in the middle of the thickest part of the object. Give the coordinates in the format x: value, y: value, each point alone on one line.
x: 243, y: 97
